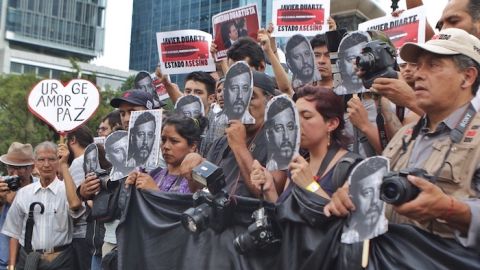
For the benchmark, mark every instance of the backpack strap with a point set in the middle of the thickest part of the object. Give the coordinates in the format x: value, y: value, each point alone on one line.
x: 343, y: 168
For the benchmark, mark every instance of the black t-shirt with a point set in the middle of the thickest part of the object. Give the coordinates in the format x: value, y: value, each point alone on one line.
x: 221, y: 155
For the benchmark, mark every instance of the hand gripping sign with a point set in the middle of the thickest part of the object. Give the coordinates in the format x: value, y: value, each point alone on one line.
x: 64, y: 107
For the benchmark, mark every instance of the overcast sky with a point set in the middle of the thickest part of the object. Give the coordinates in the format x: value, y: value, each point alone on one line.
x: 118, y: 23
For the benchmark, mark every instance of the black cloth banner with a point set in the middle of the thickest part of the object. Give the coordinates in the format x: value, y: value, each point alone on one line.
x: 150, y: 236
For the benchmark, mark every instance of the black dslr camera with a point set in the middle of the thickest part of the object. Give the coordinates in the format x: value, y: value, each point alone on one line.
x: 259, y: 234
x: 13, y: 182
x: 376, y: 60
x: 396, y: 189
x: 213, y: 208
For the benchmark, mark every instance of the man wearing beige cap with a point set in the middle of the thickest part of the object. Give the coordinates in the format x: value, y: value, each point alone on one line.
x: 445, y: 142
x: 19, y: 162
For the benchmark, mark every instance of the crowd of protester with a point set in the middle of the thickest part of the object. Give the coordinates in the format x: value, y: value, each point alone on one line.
x: 437, y: 85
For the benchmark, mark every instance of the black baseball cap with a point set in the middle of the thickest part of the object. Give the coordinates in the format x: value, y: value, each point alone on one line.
x: 264, y: 82
x: 136, y: 97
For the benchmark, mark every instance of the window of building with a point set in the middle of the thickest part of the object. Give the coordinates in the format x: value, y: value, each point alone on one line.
x: 43, y: 72
x: 15, y: 68
x: 29, y: 69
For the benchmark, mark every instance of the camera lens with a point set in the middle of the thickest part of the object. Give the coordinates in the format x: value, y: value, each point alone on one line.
x: 390, y: 191
x: 195, y: 220
x: 191, y: 225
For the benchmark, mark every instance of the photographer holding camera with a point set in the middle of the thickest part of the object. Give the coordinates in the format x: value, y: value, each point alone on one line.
x: 444, y: 142
x: 19, y: 163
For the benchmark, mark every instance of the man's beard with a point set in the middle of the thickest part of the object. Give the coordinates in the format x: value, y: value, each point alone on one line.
x: 286, y: 149
x: 301, y: 75
x: 142, y: 154
x: 238, y: 107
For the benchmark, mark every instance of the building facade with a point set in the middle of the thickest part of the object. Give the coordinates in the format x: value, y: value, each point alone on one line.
x: 43, y: 36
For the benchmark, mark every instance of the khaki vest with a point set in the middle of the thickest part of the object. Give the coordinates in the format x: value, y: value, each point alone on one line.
x: 456, y: 176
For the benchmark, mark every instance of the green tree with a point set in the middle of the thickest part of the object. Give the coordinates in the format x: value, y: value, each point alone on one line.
x: 128, y: 84
x: 16, y: 121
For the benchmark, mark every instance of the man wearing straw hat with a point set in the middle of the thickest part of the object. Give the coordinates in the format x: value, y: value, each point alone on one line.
x: 19, y: 162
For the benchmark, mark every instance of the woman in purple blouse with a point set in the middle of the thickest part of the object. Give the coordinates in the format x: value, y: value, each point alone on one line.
x: 181, y: 135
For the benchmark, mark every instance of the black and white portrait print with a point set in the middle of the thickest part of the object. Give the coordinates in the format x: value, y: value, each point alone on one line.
x: 283, y: 132
x: 190, y: 106
x: 237, y: 91
x: 368, y: 220
x: 144, y: 138
x: 350, y: 47
x: 301, y: 61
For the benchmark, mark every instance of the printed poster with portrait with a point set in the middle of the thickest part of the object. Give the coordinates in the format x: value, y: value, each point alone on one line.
x: 301, y: 61
x: 144, y: 81
x: 237, y: 92
x: 159, y: 86
x: 305, y: 17
x: 185, y: 51
x: 190, y: 106
x: 230, y: 25
x: 408, y: 27
x: 90, y: 159
x: 368, y: 220
x: 116, y: 145
x: 283, y: 132
x: 349, y: 48
x: 144, y: 139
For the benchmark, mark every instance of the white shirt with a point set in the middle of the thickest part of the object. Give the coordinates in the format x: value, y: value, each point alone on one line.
x: 78, y: 175
x: 52, y: 228
x: 76, y: 170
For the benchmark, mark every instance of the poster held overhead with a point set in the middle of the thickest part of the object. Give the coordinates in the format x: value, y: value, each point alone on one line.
x: 230, y: 25
x: 237, y: 91
x: 408, y: 27
x: 185, y: 51
x: 301, y: 61
x: 304, y: 17
x: 64, y: 108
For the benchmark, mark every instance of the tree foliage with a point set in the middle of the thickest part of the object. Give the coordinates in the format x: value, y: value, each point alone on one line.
x: 16, y: 122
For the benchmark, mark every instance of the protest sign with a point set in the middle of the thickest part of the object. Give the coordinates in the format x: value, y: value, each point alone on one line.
x: 232, y: 24
x: 305, y: 17
x: 64, y: 107
x: 283, y: 132
x: 144, y: 139
x: 184, y: 51
x: 368, y: 221
x: 408, y: 27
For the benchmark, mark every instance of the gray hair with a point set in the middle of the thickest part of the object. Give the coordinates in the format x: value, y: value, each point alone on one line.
x: 45, y: 145
x: 463, y: 62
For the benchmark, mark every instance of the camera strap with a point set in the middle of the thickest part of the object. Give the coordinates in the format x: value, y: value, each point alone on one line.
x: 332, y: 151
x: 400, y: 112
x: 455, y: 135
x: 382, y: 133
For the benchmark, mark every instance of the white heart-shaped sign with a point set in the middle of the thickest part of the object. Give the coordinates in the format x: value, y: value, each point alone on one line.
x: 64, y: 107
